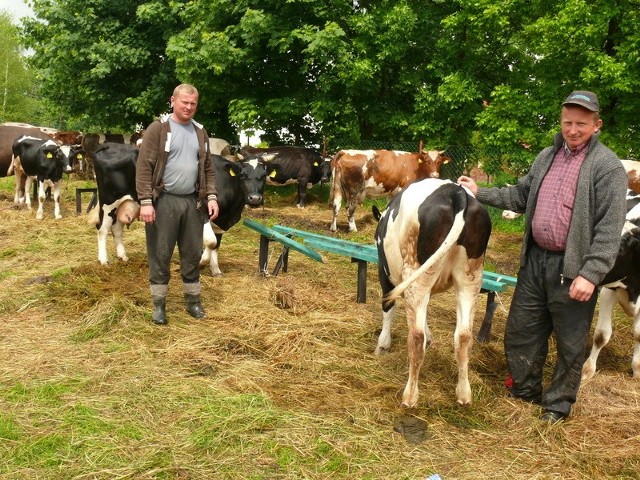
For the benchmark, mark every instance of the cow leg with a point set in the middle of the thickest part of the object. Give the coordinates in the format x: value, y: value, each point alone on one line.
x: 337, y: 203
x: 56, y: 201
x: 466, y: 298
x: 42, y: 195
x: 19, y: 195
x: 635, y: 362
x: 27, y: 191
x: 352, y: 204
x: 419, y: 337
x: 384, y: 339
x: 210, y: 250
x: 602, y: 332
x: 302, y: 192
x: 103, y: 231
x: 117, y: 230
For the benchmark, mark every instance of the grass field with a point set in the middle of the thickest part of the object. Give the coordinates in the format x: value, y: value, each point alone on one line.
x: 91, y: 389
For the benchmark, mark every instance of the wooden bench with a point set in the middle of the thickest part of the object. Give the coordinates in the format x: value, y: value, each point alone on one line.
x: 79, y: 192
x: 362, y: 255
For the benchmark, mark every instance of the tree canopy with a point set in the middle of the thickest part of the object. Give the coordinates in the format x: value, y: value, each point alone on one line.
x: 16, y: 99
x: 443, y: 71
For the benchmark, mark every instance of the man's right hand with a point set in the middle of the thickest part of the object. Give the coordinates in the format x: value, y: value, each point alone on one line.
x: 469, y: 183
x: 147, y: 214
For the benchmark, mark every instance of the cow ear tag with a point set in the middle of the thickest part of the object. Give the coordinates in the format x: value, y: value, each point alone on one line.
x: 232, y: 173
x: 80, y: 156
x: 272, y: 174
x: 315, y: 164
x: 49, y: 155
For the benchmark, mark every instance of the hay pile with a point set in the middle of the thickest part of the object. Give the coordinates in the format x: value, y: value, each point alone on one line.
x: 279, y: 380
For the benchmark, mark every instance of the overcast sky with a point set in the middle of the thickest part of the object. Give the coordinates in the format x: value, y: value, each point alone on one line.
x: 17, y: 8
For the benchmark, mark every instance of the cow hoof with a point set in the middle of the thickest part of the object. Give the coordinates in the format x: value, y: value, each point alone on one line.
x: 587, y: 373
x: 381, y: 351
x: 464, y: 403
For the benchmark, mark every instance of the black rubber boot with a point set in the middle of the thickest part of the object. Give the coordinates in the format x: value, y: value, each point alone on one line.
x: 194, y: 307
x: 159, y: 314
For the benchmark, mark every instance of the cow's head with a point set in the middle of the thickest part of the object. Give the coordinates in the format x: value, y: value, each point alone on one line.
x: 53, y: 158
x: 432, y: 160
x: 128, y: 212
x: 252, y: 172
x: 323, y: 165
x: 70, y: 156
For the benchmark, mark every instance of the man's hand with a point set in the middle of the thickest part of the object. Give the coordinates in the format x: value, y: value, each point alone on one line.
x: 147, y: 213
x: 468, y: 183
x: 581, y: 289
x: 213, y: 208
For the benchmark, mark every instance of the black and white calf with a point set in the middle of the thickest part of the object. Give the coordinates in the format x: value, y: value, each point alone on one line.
x: 238, y: 184
x: 43, y: 161
x: 432, y: 236
x: 301, y: 165
x: 115, y: 170
x: 621, y: 286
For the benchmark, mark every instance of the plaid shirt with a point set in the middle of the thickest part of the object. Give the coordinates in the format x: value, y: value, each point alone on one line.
x: 554, y: 206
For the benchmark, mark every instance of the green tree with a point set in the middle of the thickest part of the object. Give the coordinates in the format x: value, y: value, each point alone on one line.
x: 17, y: 102
x: 547, y: 50
x: 479, y: 72
x: 102, y: 65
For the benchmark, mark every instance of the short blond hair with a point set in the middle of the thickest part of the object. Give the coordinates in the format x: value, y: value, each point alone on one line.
x: 185, y: 88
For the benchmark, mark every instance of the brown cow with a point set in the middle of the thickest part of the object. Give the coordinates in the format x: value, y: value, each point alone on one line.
x: 8, y: 133
x: 68, y: 138
x: 370, y: 173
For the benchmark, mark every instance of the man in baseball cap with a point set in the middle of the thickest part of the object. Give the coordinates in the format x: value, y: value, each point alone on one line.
x: 574, y: 200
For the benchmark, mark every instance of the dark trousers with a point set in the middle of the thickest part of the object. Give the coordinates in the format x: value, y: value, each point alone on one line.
x: 178, y: 221
x: 541, y: 305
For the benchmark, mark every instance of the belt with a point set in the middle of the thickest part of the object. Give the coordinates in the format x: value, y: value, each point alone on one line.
x: 548, y: 252
x: 184, y: 195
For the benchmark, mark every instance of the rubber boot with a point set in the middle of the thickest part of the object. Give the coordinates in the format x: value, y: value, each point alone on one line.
x: 159, y: 315
x: 194, y: 307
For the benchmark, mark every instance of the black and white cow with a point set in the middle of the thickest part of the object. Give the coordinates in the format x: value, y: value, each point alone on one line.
x: 115, y: 170
x: 432, y: 236
x: 43, y: 161
x: 297, y: 164
x: 238, y: 184
x: 621, y: 285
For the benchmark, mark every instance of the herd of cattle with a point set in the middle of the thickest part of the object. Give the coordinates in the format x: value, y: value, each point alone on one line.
x: 433, y: 235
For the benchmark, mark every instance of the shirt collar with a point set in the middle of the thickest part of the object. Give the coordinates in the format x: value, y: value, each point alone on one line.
x: 578, y: 149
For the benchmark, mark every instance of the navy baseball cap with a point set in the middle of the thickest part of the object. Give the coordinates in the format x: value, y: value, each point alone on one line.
x: 583, y: 98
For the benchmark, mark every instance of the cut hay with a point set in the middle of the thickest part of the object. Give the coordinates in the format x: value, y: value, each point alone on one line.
x: 278, y: 381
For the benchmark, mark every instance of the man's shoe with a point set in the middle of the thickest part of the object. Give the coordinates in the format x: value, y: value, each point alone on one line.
x: 159, y: 314
x: 552, y: 417
x: 194, y: 307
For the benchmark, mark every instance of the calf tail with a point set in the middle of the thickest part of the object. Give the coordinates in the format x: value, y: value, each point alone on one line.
x: 447, y: 244
x: 10, y: 169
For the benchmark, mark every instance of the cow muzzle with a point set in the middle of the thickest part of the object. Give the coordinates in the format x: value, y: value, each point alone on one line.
x: 254, y: 200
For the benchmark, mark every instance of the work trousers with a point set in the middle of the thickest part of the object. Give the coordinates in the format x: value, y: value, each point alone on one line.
x: 540, y: 306
x: 178, y: 221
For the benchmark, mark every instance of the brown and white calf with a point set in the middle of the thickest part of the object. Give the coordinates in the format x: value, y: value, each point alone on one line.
x: 432, y: 236
x: 620, y: 286
x: 358, y: 174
